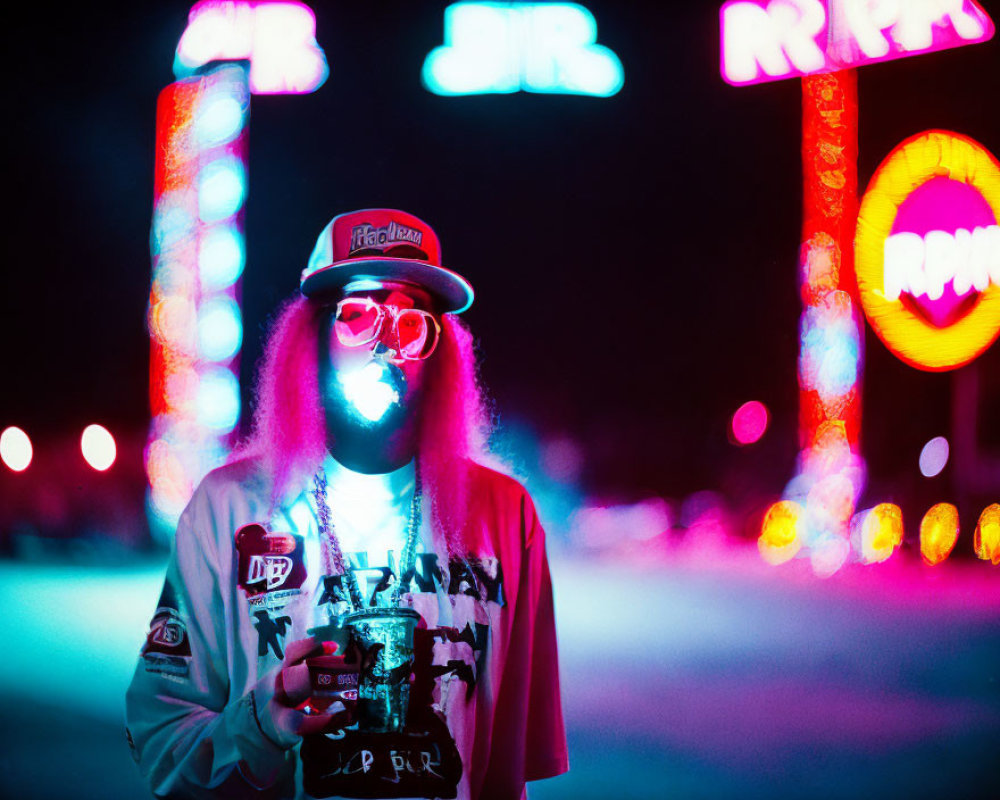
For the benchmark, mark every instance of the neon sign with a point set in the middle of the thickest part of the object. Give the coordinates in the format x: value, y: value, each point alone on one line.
x: 767, y: 41
x: 278, y: 38
x: 532, y: 47
x: 928, y: 250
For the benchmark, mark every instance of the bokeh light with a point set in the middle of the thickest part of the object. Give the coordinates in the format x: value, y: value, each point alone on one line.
x: 221, y: 256
x: 749, y: 422
x: 218, y: 400
x: 219, y: 119
x: 98, y: 447
x: 15, y: 449
x: 938, y: 533
x: 779, y: 532
x: 220, y: 330
x: 221, y: 187
x: 934, y: 457
x: 881, y: 532
x: 987, y: 538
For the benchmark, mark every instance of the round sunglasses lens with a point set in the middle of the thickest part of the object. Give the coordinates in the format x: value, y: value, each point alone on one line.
x: 356, y: 323
x: 417, y: 334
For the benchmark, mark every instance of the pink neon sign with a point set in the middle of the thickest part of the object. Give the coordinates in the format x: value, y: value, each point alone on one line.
x: 767, y: 41
x: 278, y: 38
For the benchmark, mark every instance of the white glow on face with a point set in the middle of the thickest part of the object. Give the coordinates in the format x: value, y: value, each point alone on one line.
x: 218, y: 400
x: 220, y: 331
x: 15, y: 449
x: 509, y: 47
x: 934, y: 457
x: 98, y: 447
x: 367, y: 391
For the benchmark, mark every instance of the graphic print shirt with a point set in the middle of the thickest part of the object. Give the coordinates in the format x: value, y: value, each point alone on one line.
x: 484, y: 715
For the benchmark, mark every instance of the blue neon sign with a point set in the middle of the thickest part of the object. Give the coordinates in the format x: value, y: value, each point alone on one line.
x: 530, y: 47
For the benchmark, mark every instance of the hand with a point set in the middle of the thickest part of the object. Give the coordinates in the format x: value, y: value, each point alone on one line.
x: 289, y: 714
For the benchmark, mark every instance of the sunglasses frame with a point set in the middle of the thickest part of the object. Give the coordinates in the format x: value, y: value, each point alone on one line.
x: 384, y: 310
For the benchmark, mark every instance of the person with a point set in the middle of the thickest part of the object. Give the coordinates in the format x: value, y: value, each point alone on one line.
x: 358, y: 604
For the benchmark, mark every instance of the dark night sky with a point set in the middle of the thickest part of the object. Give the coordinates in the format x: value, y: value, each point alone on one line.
x: 634, y: 257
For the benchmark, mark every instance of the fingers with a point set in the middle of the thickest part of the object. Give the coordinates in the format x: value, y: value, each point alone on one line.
x: 291, y: 723
x: 320, y: 723
x: 300, y: 649
x: 294, y: 685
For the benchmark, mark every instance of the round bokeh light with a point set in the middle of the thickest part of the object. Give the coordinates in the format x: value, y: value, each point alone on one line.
x: 749, y: 422
x: 15, y: 449
x: 98, y: 447
x: 934, y: 457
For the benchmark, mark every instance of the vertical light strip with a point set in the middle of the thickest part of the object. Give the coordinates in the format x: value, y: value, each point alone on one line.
x: 198, y: 252
x: 830, y: 472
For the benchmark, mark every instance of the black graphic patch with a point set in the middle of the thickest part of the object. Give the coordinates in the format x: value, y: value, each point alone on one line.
x: 268, y: 631
x: 270, y: 566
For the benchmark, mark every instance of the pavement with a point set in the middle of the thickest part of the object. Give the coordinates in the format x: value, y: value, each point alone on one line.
x: 684, y: 675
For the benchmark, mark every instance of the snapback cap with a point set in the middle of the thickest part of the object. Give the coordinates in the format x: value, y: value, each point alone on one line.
x: 378, y: 243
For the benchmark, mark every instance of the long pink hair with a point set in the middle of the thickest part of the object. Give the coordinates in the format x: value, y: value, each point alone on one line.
x: 288, y: 432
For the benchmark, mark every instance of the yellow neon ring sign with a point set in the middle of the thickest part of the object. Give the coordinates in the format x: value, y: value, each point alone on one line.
x: 912, y: 163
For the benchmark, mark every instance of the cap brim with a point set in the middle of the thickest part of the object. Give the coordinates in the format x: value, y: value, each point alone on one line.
x: 454, y: 291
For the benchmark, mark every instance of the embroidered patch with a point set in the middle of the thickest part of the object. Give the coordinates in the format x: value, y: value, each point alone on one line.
x: 167, y: 649
x: 270, y: 566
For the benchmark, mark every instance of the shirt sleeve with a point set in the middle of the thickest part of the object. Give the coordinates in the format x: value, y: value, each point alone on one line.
x: 529, y: 737
x: 188, y: 739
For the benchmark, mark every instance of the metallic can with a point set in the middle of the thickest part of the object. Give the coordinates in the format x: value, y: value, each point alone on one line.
x: 384, y: 637
x: 332, y: 679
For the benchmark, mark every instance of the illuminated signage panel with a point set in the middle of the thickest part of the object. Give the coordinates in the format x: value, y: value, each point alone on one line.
x: 766, y: 41
x: 277, y: 38
x: 927, y: 250
x: 500, y: 48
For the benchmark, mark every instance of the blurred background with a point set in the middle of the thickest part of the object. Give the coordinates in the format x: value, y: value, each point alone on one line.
x: 635, y: 259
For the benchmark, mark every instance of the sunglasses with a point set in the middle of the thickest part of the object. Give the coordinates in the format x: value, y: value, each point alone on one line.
x: 360, y: 321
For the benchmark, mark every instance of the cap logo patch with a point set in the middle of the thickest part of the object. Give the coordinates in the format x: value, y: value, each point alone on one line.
x: 366, y: 236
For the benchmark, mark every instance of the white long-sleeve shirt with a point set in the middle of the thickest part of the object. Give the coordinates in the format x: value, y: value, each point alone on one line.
x: 485, y: 714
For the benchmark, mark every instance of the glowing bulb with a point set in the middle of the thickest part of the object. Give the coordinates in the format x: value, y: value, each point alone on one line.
x: 221, y: 187
x: 220, y: 331
x: 881, y: 532
x: 220, y: 119
x: 218, y: 399
x: 938, y: 533
x: 779, y: 535
x: 98, y: 447
x: 367, y: 390
x: 934, y: 457
x: 15, y: 449
x: 987, y: 539
x: 221, y: 256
